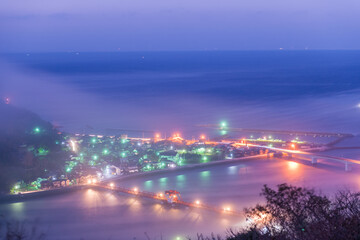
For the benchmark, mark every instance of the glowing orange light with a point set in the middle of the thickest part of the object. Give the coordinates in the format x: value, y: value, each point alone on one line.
x: 227, y: 209
x: 94, y: 180
x: 293, y: 146
x: 293, y: 165
x: 157, y: 135
x: 111, y: 185
x: 197, y: 202
x: 160, y: 195
x: 135, y: 190
x: 89, y: 181
x: 203, y: 137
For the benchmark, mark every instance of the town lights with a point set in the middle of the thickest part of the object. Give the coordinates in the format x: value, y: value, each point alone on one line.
x: 89, y: 181
x: 111, y: 185
x: 94, y: 181
x: 197, y: 202
x: 73, y: 146
x: 203, y: 137
x: 161, y: 195
x: 135, y: 190
x: 227, y: 209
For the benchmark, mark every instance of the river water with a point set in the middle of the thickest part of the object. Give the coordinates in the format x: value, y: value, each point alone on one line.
x: 93, y: 214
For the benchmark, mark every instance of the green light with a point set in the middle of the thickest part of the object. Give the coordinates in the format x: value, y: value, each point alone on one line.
x: 105, y: 151
x: 205, y: 158
x: 95, y: 157
x: 201, y: 150
x: 68, y: 169
x: 17, y: 186
x: 223, y: 124
x: 93, y: 140
x: 123, y: 154
x: 36, y: 130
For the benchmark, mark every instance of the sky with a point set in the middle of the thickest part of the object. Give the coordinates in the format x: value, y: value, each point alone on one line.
x: 163, y: 25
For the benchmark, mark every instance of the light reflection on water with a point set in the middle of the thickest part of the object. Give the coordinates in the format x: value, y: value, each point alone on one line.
x: 92, y: 214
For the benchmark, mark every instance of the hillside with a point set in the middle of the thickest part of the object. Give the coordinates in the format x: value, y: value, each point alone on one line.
x: 29, y: 147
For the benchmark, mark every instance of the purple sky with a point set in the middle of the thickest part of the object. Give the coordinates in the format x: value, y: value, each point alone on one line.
x: 97, y: 25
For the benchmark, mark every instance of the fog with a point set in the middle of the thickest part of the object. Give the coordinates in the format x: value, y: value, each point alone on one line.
x: 169, y: 100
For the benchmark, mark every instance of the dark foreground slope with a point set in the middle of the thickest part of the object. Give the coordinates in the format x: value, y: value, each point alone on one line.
x: 29, y: 147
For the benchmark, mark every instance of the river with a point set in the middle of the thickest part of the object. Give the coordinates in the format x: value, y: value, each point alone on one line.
x: 93, y: 214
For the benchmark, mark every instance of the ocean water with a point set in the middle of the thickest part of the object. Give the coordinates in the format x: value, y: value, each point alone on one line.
x: 177, y: 91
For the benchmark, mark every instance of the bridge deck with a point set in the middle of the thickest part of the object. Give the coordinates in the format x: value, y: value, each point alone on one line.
x: 162, y: 198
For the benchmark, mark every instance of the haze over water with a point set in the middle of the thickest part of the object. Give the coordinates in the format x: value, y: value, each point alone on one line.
x: 175, y: 91
x: 91, y: 214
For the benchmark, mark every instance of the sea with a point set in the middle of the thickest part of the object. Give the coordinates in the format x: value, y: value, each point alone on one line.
x: 179, y: 91
x: 146, y: 92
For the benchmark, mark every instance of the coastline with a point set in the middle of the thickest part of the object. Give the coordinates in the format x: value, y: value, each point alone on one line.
x: 13, y: 198
x: 186, y: 167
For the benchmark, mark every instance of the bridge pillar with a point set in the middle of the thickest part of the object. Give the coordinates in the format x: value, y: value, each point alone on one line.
x: 314, y: 160
x: 268, y: 155
x: 347, y: 166
x: 290, y: 155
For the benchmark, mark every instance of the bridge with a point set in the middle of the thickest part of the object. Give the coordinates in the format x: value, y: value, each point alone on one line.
x: 314, y: 157
x: 284, y: 132
x: 170, y: 197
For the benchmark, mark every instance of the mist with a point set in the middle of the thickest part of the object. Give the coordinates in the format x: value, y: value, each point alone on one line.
x: 87, y: 100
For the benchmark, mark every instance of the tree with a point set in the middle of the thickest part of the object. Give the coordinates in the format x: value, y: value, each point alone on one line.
x: 300, y: 214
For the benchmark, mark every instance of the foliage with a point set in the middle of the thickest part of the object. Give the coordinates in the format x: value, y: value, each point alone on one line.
x: 295, y: 213
x: 26, y: 154
x: 19, y: 231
